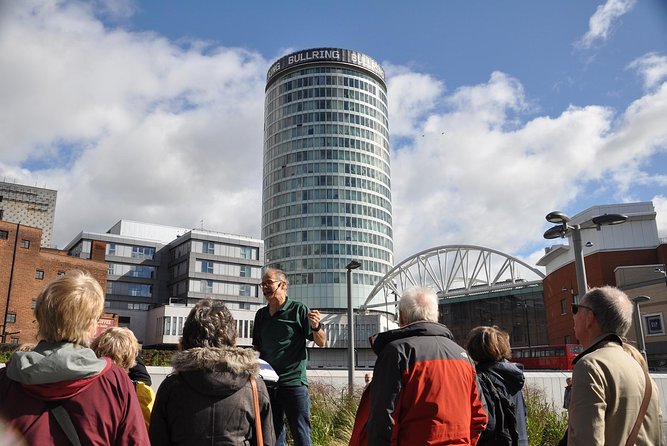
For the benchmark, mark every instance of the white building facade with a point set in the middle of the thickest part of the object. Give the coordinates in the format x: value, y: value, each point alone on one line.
x: 169, y: 269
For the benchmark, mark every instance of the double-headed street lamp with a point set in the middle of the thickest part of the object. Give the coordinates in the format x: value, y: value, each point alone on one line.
x: 564, y: 228
x: 350, y: 326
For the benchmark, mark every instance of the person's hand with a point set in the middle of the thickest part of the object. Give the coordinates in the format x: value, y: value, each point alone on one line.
x: 314, y: 318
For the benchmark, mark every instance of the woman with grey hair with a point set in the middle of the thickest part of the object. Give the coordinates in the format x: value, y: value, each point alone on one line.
x: 209, y: 397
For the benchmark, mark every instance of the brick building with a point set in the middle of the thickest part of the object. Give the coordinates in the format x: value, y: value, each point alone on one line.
x: 25, y: 268
x: 611, y: 254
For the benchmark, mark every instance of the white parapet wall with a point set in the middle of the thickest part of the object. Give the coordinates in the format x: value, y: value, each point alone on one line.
x: 551, y: 383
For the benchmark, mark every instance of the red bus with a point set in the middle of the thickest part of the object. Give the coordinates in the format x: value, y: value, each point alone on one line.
x: 546, y: 357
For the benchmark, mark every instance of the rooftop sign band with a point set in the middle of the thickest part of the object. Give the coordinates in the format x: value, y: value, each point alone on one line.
x: 324, y: 55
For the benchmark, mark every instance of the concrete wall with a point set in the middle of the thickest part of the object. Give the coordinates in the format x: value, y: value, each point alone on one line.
x: 552, y: 383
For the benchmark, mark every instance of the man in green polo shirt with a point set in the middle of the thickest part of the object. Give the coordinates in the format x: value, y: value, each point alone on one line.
x: 279, y: 333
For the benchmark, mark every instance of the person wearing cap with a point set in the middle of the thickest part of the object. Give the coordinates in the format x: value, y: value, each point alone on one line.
x: 280, y: 332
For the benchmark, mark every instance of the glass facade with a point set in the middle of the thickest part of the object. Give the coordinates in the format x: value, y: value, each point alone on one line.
x: 327, y: 178
x: 520, y: 313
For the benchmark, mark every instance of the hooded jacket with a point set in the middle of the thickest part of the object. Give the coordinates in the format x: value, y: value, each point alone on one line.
x: 511, y: 378
x: 424, y: 389
x: 208, y: 400
x: 98, y: 396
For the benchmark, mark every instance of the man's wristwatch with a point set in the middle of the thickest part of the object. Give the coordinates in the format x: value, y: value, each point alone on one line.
x: 318, y: 328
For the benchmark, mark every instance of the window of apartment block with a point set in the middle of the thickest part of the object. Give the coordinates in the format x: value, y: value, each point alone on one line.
x: 167, y: 325
x: 4, y: 235
x: 207, y: 286
x: 33, y: 304
x: 206, y: 266
x: 39, y: 274
x: 11, y: 318
x: 25, y: 243
x: 563, y: 306
x: 246, y: 271
x: 247, y: 252
x: 209, y: 248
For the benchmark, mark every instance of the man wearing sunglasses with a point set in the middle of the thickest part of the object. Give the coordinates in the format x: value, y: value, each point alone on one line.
x: 280, y: 332
x: 608, y: 382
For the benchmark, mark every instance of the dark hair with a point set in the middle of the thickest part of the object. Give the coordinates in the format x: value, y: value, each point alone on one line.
x: 209, y: 324
x: 485, y: 344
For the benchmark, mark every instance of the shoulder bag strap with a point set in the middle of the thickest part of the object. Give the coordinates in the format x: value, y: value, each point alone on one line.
x: 65, y: 422
x: 642, y: 410
x: 255, y: 400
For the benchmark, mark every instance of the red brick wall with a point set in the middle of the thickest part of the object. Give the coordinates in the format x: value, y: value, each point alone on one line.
x: 24, y: 285
x: 599, y: 271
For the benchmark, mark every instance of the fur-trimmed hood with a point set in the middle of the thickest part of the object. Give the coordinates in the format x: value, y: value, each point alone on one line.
x: 236, y: 360
x: 216, y: 371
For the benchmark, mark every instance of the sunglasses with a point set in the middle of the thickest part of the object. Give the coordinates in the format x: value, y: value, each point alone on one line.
x: 269, y: 283
x: 575, y: 308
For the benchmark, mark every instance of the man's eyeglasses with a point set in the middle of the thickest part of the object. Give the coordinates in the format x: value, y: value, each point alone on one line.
x: 575, y: 308
x: 268, y: 283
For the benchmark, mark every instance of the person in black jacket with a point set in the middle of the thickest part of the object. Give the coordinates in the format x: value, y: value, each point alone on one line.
x: 208, y: 399
x: 500, y: 380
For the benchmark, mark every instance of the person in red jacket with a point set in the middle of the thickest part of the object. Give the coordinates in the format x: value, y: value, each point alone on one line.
x: 424, y: 389
x: 61, y: 390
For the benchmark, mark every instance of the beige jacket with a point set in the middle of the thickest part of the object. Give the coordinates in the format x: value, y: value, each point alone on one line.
x: 607, y: 392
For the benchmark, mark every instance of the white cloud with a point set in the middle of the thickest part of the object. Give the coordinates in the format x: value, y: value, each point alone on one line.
x: 493, y: 175
x: 159, y: 133
x: 652, y: 67
x: 130, y: 125
x: 411, y: 97
x: 602, y: 22
x: 660, y: 204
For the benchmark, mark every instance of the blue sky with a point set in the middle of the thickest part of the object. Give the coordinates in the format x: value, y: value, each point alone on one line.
x: 152, y: 110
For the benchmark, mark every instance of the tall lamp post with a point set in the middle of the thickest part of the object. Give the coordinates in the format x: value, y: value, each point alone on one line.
x: 638, y: 328
x: 663, y: 272
x: 564, y: 228
x: 350, y: 326
x: 525, y: 313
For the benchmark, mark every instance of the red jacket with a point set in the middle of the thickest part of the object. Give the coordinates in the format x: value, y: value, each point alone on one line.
x: 424, y: 390
x: 101, y: 403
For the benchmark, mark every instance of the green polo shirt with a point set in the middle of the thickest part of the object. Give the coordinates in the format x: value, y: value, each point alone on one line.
x: 281, y: 341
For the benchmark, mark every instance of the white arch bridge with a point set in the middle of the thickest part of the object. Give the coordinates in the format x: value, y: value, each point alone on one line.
x: 453, y: 271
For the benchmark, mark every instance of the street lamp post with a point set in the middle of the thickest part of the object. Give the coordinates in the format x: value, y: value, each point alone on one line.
x: 638, y: 328
x: 663, y: 272
x: 350, y: 326
x: 525, y: 313
x: 563, y: 228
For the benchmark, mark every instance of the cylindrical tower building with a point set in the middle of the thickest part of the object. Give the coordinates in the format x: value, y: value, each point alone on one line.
x: 327, y: 182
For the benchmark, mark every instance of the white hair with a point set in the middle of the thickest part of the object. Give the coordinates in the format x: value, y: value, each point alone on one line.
x: 418, y: 304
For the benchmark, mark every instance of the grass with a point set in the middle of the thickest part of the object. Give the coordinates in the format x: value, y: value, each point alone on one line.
x: 546, y: 424
x: 333, y: 412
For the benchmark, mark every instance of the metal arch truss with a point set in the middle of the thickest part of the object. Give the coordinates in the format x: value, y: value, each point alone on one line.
x: 453, y: 271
